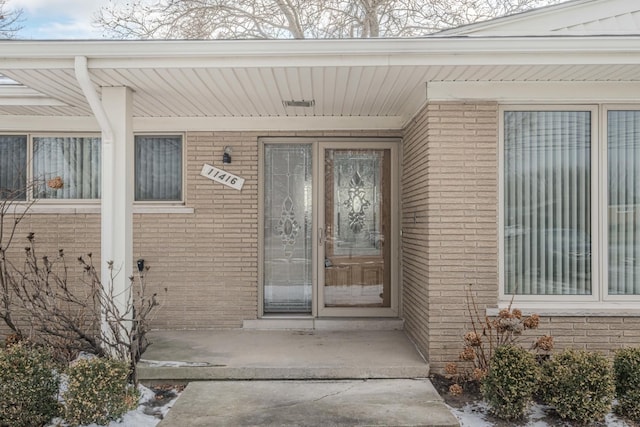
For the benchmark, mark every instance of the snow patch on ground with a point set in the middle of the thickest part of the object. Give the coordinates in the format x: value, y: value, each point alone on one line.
x: 145, y: 415
x: 475, y: 415
x: 172, y: 364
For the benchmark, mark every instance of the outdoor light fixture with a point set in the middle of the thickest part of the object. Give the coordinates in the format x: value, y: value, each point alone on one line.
x: 299, y: 103
x: 226, y: 157
x: 140, y: 263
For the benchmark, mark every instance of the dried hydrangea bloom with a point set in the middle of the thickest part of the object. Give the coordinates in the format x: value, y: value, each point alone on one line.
x: 55, y: 183
x: 455, y: 390
x: 479, y: 374
x: 512, y: 325
x: 467, y: 354
x: 451, y: 368
x: 505, y: 314
x: 472, y: 339
x: 532, y: 321
x: 544, y: 343
x: 517, y: 313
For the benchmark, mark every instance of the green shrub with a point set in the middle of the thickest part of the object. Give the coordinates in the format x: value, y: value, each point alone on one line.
x: 28, y: 386
x: 626, y: 367
x: 98, y: 391
x: 579, y: 385
x: 511, y: 382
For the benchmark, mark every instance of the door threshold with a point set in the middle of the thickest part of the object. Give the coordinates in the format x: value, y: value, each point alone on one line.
x: 324, y: 324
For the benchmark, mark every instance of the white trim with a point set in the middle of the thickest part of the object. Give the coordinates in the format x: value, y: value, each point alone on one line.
x: 434, y: 50
x: 161, y: 209
x: 40, y: 207
x: 534, y: 92
x: 571, y: 310
x: 281, y: 123
x: 205, y: 124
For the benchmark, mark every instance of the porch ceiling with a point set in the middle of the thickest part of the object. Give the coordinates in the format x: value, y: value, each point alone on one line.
x: 251, y: 79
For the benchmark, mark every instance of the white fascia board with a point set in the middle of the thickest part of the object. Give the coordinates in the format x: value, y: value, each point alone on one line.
x: 273, y: 124
x: 31, y: 102
x: 589, y: 92
x: 48, y: 124
x: 284, y: 53
x: 205, y: 124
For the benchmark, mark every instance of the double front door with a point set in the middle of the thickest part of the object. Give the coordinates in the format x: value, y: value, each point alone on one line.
x: 329, y: 228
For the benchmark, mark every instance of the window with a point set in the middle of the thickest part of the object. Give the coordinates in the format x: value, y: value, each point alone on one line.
x: 13, y: 167
x: 66, y: 167
x: 63, y: 167
x: 623, y: 148
x: 554, y: 213
x: 158, y: 167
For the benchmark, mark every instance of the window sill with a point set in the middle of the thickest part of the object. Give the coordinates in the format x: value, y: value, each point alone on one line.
x: 93, y: 208
x: 162, y: 209
x: 599, y: 309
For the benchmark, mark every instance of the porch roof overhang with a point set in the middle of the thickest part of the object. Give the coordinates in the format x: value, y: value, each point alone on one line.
x: 354, y: 84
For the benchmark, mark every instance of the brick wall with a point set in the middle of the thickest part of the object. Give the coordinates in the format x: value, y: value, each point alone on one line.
x: 449, y: 222
x: 450, y: 237
x: 207, y: 260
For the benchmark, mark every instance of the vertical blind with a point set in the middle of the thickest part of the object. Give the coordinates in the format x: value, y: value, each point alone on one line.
x: 13, y: 167
x: 624, y: 202
x: 76, y: 160
x: 158, y: 168
x: 547, y: 191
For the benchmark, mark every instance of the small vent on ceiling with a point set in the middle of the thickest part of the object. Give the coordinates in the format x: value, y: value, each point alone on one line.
x: 302, y: 103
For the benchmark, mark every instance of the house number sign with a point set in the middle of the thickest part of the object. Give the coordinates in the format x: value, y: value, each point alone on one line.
x: 221, y: 176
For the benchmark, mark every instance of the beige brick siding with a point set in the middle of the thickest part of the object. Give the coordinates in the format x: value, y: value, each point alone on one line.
x: 449, y: 221
x: 450, y: 237
x: 207, y: 260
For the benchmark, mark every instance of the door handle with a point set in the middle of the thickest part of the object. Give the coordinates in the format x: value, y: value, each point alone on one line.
x: 320, y: 236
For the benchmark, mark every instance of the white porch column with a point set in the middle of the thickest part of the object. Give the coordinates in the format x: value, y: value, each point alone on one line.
x: 117, y: 195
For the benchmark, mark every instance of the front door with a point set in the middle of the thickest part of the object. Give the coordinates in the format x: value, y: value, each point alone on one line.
x: 329, y: 233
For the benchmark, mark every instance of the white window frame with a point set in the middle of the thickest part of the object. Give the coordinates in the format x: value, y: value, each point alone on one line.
x: 599, y: 303
x: 141, y: 205
x: 84, y: 206
x: 29, y: 165
x: 604, y: 190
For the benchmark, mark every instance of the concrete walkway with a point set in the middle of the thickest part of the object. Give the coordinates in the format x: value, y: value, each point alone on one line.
x: 294, y: 378
x: 310, y: 403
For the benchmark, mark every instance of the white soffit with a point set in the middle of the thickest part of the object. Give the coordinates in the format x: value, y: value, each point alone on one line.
x: 353, y: 83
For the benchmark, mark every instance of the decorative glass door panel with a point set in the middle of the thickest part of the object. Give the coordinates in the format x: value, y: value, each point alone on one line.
x: 357, y: 228
x: 288, y: 222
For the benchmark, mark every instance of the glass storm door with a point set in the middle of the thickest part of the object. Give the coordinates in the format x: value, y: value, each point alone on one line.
x: 288, y: 224
x: 355, y: 236
x: 328, y: 228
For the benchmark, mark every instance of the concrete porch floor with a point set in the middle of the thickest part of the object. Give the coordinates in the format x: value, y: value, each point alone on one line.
x: 240, y: 354
x: 281, y: 378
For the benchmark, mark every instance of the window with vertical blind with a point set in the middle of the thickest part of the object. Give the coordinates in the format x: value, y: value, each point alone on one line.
x: 623, y: 210
x: 158, y: 165
x: 555, y: 212
x: 68, y: 167
x: 13, y: 167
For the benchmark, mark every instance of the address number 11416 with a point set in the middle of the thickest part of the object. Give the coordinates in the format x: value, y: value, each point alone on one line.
x: 222, y: 176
